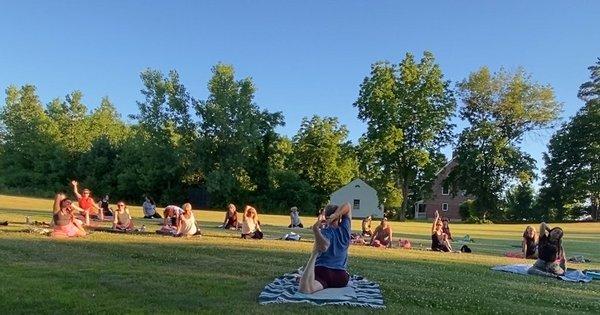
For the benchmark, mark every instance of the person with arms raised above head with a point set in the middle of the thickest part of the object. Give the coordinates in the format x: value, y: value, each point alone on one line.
x: 328, y: 262
x: 65, y: 224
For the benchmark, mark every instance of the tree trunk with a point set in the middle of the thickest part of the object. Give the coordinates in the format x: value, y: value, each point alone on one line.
x: 402, y: 213
x: 595, y: 200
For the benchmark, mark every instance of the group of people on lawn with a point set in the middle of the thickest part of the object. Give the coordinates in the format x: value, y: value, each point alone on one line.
x: 69, y: 219
x: 327, y: 264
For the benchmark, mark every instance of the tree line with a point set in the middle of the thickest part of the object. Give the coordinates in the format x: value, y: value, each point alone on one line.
x: 226, y: 148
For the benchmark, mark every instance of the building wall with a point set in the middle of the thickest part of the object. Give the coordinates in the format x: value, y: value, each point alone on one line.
x: 369, y: 203
x: 437, y: 198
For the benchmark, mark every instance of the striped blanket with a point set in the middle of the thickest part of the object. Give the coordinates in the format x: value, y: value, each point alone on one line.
x: 359, y: 292
x: 571, y: 275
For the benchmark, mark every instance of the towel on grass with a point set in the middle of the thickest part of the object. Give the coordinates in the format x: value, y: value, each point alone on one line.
x: 571, y: 275
x: 359, y: 292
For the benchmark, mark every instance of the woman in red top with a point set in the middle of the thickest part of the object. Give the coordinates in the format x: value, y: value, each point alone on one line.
x: 86, y: 202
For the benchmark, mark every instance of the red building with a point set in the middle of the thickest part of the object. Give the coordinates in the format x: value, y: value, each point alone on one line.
x: 441, y: 199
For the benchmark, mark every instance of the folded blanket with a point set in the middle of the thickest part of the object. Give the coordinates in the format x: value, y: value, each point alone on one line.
x: 571, y: 275
x: 359, y: 292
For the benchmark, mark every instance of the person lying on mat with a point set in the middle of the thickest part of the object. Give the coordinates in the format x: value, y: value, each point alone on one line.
x: 65, y: 224
x: 366, y: 227
x: 328, y: 262
x: 231, y: 218
x: 530, y: 243
x: 122, y: 219
x: 382, y: 237
x: 186, y: 224
x: 251, y: 224
x: 551, y: 254
x: 295, y: 218
x: 439, y: 239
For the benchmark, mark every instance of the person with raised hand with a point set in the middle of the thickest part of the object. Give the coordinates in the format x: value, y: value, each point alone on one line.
x: 328, y: 262
x: 86, y: 202
x: 65, y: 224
x: 439, y: 239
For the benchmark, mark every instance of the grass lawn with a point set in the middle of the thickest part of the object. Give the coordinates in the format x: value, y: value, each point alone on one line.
x: 221, y: 273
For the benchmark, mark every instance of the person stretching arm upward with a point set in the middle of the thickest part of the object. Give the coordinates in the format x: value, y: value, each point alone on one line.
x: 327, y: 265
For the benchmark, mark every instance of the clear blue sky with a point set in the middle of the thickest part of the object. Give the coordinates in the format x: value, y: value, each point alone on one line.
x: 306, y: 57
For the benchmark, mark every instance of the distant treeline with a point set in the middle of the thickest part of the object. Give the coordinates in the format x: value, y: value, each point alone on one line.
x: 225, y: 149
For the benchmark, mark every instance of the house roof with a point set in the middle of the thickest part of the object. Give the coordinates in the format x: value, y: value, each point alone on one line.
x: 356, y: 182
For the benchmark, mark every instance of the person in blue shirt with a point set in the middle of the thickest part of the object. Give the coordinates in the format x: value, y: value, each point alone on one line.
x: 328, y: 262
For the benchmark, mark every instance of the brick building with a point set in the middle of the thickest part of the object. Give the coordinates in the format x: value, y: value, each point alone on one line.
x: 441, y: 199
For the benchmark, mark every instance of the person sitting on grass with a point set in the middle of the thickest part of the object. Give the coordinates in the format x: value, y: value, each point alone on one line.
x: 551, y: 254
x: 382, y: 237
x: 104, y: 205
x: 122, y: 219
x: 86, y: 202
x: 65, y: 224
x: 446, y: 228
x: 439, y: 239
x: 328, y: 262
x: 231, y: 218
x: 530, y: 243
x: 149, y: 207
x: 251, y: 224
x: 366, y: 227
x: 186, y: 224
x: 171, y: 214
x: 295, y: 218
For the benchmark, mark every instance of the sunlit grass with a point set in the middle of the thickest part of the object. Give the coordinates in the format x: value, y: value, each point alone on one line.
x: 219, y: 272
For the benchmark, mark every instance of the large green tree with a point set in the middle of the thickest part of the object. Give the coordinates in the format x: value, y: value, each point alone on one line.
x: 572, y: 163
x: 323, y: 156
x: 407, y: 108
x: 236, y: 138
x: 501, y: 108
x: 157, y: 158
x: 32, y: 158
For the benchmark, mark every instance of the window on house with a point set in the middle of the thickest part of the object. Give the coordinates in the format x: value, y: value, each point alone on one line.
x: 445, y: 190
x: 356, y: 204
x: 444, y: 207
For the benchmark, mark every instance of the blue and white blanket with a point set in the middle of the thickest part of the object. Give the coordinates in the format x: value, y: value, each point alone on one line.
x: 359, y: 292
x: 570, y: 275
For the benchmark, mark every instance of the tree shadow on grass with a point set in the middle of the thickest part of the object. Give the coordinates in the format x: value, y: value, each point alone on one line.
x: 80, y: 276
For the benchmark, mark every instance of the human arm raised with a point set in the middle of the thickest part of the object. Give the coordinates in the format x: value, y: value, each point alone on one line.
x: 57, y: 199
x: 435, y: 221
x: 75, y: 185
x: 343, y: 210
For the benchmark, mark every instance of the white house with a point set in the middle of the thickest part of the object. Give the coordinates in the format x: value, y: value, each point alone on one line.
x: 361, y: 196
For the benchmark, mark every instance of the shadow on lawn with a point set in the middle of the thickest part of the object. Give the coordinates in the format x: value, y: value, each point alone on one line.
x: 47, y: 276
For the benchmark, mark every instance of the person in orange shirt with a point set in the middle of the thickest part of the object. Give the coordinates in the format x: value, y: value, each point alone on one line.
x: 86, y: 202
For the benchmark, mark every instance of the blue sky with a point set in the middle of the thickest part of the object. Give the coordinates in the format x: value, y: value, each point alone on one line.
x: 305, y: 57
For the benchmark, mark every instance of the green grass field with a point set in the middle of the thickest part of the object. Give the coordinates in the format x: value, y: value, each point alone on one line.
x: 221, y: 273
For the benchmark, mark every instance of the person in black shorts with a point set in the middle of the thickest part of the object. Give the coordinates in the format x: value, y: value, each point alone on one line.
x: 328, y: 262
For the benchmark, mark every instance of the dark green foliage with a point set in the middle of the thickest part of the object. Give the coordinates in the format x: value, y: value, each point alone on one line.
x: 500, y: 108
x: 520, y: 203
x: 572, y: 164
x: 407, y: 108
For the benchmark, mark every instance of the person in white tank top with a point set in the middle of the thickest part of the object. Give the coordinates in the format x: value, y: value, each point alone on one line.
x: 186, y: 224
